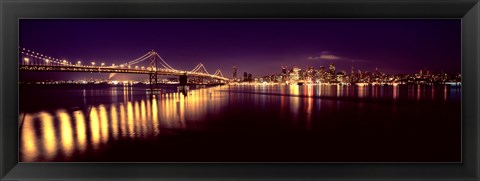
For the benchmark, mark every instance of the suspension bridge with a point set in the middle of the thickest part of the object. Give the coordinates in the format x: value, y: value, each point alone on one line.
x: 150, y: 63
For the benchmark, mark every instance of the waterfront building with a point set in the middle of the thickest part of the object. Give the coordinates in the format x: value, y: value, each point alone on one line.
x: 234, y: 73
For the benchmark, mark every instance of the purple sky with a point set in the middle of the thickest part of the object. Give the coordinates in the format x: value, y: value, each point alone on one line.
x: 257, y: 46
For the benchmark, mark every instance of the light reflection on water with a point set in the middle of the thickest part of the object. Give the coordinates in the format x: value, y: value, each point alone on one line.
x: 60, y: 133
x: 81, y: 131
x: 29, y: 139
x: 64, y: 133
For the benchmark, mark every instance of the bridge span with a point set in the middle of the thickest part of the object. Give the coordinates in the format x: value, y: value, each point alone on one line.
x: 155, y: 65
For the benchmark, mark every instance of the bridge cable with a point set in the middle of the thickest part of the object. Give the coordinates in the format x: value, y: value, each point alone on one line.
x: 166, y: 64
x: 196, y: 68
x: 140, y: 59
x: 204, y: 69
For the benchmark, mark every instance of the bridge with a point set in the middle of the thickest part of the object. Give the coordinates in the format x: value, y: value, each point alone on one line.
x: 150, y: 63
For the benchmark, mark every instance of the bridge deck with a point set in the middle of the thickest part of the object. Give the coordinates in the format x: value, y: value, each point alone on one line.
x: 74, y: 68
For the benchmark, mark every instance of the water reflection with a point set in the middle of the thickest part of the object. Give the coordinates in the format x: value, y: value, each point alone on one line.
x: 81, y: 130
x: 114, y: 119
x: 132, y: 119
x: 303, y: 105
x: 395, y: 92
x: 103, y: 123
x: 94, y: 127
x: 59, y: 134
x: 66, y: 132
x: 29, y: 146
x: 49, y: 139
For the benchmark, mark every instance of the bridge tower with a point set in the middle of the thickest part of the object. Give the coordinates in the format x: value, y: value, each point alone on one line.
x: 183, y: 80
x: 153, y: 74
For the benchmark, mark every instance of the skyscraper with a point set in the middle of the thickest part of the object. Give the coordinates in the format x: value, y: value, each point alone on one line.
x: 360, y: 77
x: 321, y: 73
x: 234, y: 73
x: 331, y: 67
x: 284, y: 70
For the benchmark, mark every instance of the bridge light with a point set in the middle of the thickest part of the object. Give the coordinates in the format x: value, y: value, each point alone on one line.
x: 121, y: 66
x: 129, y: 66
x: 136, y: 67
x: 103, y: 64
x: 113, y: 65
x: 47, y: 60
x: 93, y: 63
x: 79, y: 62
x: 143, y: 67
x: 26, y: 59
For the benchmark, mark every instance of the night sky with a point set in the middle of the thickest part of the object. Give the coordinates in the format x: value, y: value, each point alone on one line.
x: 257, y: 46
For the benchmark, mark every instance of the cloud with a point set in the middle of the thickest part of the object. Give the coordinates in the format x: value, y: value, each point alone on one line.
x: 329, y: 57
x: 325, y: 55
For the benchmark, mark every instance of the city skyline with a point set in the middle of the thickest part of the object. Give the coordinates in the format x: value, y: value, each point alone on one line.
x: 306, y: 90
x: 259, y: 47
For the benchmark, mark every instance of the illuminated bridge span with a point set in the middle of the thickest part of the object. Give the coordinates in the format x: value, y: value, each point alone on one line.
x: 151, y: 63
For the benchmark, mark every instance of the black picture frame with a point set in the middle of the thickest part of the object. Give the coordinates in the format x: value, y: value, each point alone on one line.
x: 467, y: 10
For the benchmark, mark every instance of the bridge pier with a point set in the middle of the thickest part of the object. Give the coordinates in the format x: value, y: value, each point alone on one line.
x: 183, y: 87
x: 183, y: 80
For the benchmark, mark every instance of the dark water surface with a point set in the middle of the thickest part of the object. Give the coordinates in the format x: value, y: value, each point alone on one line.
x: 263, y: 123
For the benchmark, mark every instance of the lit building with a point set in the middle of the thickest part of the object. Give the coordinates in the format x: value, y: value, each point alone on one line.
x: 295, y: 74
x: 331, y: 67
x: 234, y: 73
x: 284, y: 70
x: 341, y: 77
